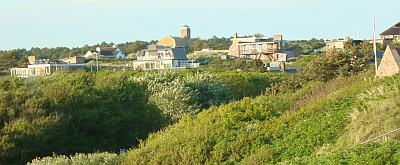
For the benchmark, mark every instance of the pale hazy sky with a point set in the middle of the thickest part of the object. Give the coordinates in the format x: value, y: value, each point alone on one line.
x: 71, y: 23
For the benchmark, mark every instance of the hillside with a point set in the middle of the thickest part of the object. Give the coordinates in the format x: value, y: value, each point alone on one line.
x: 323, y: 122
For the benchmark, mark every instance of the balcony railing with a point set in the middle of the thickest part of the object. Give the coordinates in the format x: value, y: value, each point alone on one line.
x: 257, y: 51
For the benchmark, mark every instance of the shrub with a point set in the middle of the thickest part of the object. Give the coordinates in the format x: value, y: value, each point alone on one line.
x: 79, y: 159
x: 69, y: 113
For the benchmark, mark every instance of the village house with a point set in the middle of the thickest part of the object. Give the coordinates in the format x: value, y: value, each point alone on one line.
x: 391, y: 35
x: 340, y: 43
x: 169, y: 53
x: 178, y: 42
x: 270, y: 50
x: 263, y: 48
x: 45, y: 67
x: 106, y: 53
x: 390, y: 63
x: 161, y: 57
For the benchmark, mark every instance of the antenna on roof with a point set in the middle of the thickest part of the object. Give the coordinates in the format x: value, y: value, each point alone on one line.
x: 374, y: 37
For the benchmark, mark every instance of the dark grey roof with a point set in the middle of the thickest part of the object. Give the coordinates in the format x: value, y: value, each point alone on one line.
x: 179, y: 53
x: 108, y: 51
x: 394, y: 30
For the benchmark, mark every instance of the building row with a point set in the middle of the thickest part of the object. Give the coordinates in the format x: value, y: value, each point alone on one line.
x: 169, y: 53
x: 45, y: 67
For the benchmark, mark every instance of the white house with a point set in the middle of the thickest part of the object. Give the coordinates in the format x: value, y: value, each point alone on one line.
x: 162, y: 57
x: 107, y: 52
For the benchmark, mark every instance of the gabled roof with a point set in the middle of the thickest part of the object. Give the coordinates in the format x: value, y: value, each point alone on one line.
x: 394, y: 30
x: 178, y: 39
x: 390, y: 63
x: 179, y: 53
x: 173, y: 42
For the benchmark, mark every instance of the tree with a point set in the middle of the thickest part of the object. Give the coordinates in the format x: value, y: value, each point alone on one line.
x: 8, y: 60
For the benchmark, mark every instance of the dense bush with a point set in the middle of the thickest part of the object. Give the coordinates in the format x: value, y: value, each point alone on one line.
x: 218, y: 64
x: 267, y: 129
x: 378, y: 153
x: 104, y: 111
x: 69, y: 113
x: 293, y: 128
x: 180, y: 93
x: 305, y: 46
x: 350, y: 61
x: 81, y: 159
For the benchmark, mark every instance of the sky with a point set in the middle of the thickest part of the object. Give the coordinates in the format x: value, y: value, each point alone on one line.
x: 75, y: 23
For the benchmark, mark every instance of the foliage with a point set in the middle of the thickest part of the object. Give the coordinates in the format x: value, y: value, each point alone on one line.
x: 277, y: 128
x: 213, y: 43
x: 302, y: 120
x: 172, y: 97
x: 305, y: 46
x: 104, y: 111
x: 378, y: 114
x: 394, y: 45
x: 218, y: 64
x: 182, y: 93
x: 335, y: 63
x: 9, y: 60
x: 345, y: 62
x: 68, y: 113
x: 18, y: 57
x: 379, y: 153
x: 81, y: 159
x: 302, y: 61
x: 204, y: 59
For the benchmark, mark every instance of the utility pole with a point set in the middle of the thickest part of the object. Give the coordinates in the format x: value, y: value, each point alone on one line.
x: 374, y: 37
x: 97, y: 61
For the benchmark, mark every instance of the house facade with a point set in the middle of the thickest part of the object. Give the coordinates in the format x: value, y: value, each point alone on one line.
x: 42, y: 68
x: 340, y: 43
x: 391, y: 34
x: 262, y: 48
x: 106, y: 53
x: 169, y: 53
x: 161, y: 57
x: 390, y: 63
